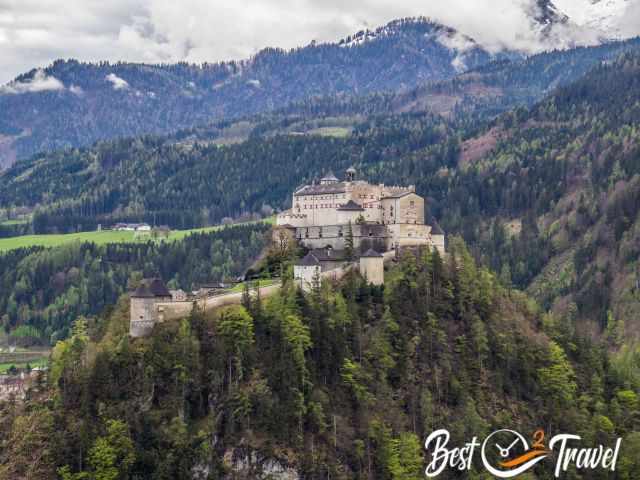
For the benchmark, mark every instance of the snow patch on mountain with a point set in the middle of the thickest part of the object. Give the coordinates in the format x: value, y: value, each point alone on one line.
x: 459, y: 44
x: 606, y: 17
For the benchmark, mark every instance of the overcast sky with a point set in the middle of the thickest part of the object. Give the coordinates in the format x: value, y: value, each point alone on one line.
x: 33, y: 33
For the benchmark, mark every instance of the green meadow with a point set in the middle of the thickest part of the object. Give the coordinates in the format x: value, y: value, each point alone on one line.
x: 99, y: 238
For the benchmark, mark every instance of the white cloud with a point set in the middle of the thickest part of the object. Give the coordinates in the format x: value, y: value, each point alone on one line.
x: 40, y: 82
x: 35, y: 32
x: 118, y: 83
x: 76, y: 90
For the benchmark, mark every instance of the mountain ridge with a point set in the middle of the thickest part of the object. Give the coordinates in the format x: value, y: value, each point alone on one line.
x: 74, y: 104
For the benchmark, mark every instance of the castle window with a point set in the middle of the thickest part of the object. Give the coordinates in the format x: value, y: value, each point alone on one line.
x: 412, y: 204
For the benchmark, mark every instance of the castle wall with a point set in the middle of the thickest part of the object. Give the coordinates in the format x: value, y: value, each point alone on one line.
x: 143, y: 316
x: 306, y: 275
x: 438, y: 243
x: 408, y: 234
x: 372, y: 269
x: 405, y: 209
x: 364, y: 237
x: 411, y: 209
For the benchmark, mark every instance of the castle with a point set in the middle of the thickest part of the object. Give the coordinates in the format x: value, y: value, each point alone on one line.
x: 376, y: 217
x: 344, y: 224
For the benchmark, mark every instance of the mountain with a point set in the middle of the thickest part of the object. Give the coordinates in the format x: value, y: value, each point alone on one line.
x: 603, y: 16
x: 187, y: 180
x: 537, y: 192
x: 74, y: 104
x: 546, y: 14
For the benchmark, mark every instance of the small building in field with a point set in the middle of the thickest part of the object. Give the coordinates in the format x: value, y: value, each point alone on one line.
x: 132, y: 227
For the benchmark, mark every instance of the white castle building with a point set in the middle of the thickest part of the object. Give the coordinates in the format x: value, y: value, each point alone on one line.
x: 378, y: 217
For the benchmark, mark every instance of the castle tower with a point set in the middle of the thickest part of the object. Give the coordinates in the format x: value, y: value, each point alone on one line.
x: 351, y: 174
x: 143, y: 304
x: 306, y: 272
x: 372, y: 267
x: 329, y: 179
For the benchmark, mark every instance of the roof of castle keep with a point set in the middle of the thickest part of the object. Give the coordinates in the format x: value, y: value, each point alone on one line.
x: 351, y: 205
x: 436, y: 229
x: 339, y: 187
x: 151, y: 288
x: 329, y: 254
x: 398, y: 194
x: 329, y: 177
x: 309, y: 261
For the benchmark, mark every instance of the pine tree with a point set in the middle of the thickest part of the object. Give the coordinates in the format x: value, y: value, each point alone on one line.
x: 348, y: 243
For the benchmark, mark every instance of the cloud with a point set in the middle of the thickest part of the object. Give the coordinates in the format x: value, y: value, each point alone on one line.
x: 35, y: 32
x: 630, y: 24
x: 118, y: 83
x: 40, y: 82
x: 76, y: 90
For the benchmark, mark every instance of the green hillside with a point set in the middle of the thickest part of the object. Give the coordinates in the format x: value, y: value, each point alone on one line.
x: 345, y: 382
x: 99, y: 238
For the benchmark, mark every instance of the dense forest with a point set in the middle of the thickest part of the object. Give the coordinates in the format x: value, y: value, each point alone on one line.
x: 344, y: 383
x: 531, y: 166
x: 544, y: 195
x: 44, y: 290
x: 419, y: 63
x: 103, y: 101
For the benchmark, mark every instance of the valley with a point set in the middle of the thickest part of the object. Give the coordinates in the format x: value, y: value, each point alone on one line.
x: 301, y: 264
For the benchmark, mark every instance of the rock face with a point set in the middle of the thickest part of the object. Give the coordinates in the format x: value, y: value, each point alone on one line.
x: 250, y: 464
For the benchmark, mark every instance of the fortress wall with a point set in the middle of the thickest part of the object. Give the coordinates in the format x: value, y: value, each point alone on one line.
x: 173, y: 310
x: 408, y: 235
x: 411, y: 209
x: 142, y: 316
x: 336, y: 274
x: 438, y: 242
x: 177, y: 310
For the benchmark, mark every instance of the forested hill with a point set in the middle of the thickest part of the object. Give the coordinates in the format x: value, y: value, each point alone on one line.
x: 344, y: 383
x: 561, y: 184
x: 546, y: 195
x: 44, y: 290
x: 75, y: 104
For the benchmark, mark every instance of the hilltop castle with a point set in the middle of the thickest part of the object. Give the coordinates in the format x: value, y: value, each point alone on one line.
x: 377, y: 217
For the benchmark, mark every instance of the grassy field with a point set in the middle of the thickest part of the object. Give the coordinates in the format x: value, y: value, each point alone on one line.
x: 15, y: 222
x: 99, y: 238
x: 337, y: 132
x: 40, y: 362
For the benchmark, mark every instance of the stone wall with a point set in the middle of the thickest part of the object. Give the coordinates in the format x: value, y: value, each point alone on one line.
x: 372, y: 269
x: 364, y: 237
x: 143, y: 316
x: 306, y: 275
